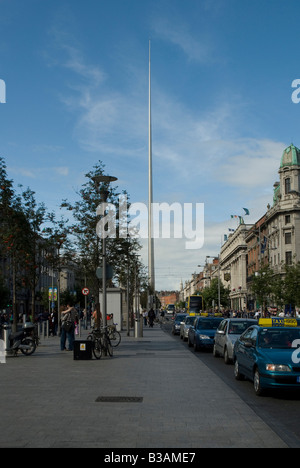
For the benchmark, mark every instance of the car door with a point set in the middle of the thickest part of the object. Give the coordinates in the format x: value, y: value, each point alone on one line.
x: 223, y: 337
x: 192, y: 332
x: 241, y: 352
x: 250, y: 352
x: 220, y: 336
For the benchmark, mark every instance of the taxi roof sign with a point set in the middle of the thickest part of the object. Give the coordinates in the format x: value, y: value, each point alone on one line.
x: 277, y: 322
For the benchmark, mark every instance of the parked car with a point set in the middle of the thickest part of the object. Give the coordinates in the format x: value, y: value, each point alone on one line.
x: 185, y: 325
x: 227, y: 334
x: 202, y: 334
x: 269, y: 357
x: 176, y: 324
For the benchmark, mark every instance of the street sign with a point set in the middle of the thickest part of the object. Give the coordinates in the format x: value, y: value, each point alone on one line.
x: 85, y: 291
x: 109, y: 272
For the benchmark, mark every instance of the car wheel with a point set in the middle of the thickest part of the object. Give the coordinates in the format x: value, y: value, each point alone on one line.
x: 257, y: 383
x: 237, y: 374
x: 196, y: 348
x: 189, y: 343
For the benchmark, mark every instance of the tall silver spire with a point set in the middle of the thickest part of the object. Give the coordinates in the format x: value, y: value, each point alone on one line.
x: 151, y: 273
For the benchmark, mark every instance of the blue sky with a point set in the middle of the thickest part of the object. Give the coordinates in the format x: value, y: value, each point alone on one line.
x: 76, y: 75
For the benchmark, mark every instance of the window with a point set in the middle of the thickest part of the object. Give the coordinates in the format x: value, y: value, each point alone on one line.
x: 288, y: 238
x: 288, y: 258
x: 287, y: 184
x: 288, y: 219
x: 247, y: 335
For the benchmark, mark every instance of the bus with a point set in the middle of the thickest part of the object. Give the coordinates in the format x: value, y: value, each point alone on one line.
x: 195, y: 305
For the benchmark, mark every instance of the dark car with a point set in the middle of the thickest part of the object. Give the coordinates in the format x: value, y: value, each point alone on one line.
x: 202, y: 334
x: 176, y: 324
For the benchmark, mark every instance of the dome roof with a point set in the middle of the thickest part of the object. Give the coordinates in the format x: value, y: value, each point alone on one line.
x: 290, y: 156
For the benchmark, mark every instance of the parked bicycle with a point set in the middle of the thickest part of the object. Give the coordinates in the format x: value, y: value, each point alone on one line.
x: 114, y: 335
x: 102, y: 343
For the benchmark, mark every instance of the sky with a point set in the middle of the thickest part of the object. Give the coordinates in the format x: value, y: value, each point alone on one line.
x: 76, y: 92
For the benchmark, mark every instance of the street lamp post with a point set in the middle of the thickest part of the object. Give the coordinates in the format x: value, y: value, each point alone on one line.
x: 104, y: 192
x: 219, y: 280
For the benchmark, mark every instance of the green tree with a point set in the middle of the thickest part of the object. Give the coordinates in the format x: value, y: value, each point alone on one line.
x: 120, y: 252
x: 262, y: 285
x: 211, y: 294
x: 291, y: 290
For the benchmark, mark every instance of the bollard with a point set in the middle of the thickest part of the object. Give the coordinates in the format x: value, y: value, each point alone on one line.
x: 138, y: 330
x: 6, y: 334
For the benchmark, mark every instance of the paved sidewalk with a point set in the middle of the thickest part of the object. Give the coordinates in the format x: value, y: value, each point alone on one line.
x: 49, y: 400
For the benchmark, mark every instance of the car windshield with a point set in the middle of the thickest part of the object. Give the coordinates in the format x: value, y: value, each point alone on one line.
x: 179, y: 318
x: 237, y: 327
x: 189, y: 320
x: 278, y: 338
x: 208, y: 324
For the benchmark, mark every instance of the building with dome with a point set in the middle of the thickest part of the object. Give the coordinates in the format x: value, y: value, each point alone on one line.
x: 275, y: 238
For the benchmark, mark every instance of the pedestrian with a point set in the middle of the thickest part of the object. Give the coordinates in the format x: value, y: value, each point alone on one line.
x: 53, y: 323
x: 97, y: 316
x: 68, y: 319
x: 145, y: 317
x: 151, y: 317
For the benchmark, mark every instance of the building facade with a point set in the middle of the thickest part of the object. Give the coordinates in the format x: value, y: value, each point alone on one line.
x: 273, y: 240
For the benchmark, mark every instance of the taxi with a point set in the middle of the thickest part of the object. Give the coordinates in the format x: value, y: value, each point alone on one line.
x: 268, y: 354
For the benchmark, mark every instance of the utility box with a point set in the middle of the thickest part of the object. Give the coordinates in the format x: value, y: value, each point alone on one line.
x: 114, y: 305
x: 83, y: 350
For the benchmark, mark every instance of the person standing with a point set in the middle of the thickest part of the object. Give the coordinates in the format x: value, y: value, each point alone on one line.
x: 68, y: 319
x: 145, y: 316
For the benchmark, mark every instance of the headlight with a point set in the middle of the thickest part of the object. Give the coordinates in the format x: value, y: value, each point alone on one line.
x: 204, y: 337
x: 278, y: 368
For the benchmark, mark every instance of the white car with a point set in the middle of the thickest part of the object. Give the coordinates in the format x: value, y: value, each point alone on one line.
x: 185, y: 325
x: 227, y: 334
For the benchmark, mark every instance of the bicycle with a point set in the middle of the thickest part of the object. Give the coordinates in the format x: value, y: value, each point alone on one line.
x: 96, y: 338
x: 114, y: 335
x: 101, y: 341
x: 105, y: 342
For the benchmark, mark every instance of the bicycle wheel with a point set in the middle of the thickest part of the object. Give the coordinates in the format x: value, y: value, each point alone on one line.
x: 106, y: 344
x: 115, y: 339
x: 97, y: 349
x: 109, y: 347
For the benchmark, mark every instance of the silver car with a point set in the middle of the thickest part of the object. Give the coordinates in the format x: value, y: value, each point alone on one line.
x: 185, y: 325
x: 227, y: 334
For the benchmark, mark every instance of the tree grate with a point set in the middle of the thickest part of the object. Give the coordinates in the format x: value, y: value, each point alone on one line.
x: 118, y: 399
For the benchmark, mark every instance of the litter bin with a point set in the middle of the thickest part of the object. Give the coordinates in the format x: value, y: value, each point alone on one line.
x: 83, y: 350
x: 138, y: 328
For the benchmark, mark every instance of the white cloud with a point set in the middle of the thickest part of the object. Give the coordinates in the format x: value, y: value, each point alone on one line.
x: 251, y: 163
x: 196, y: 149
x: 178, y: 33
